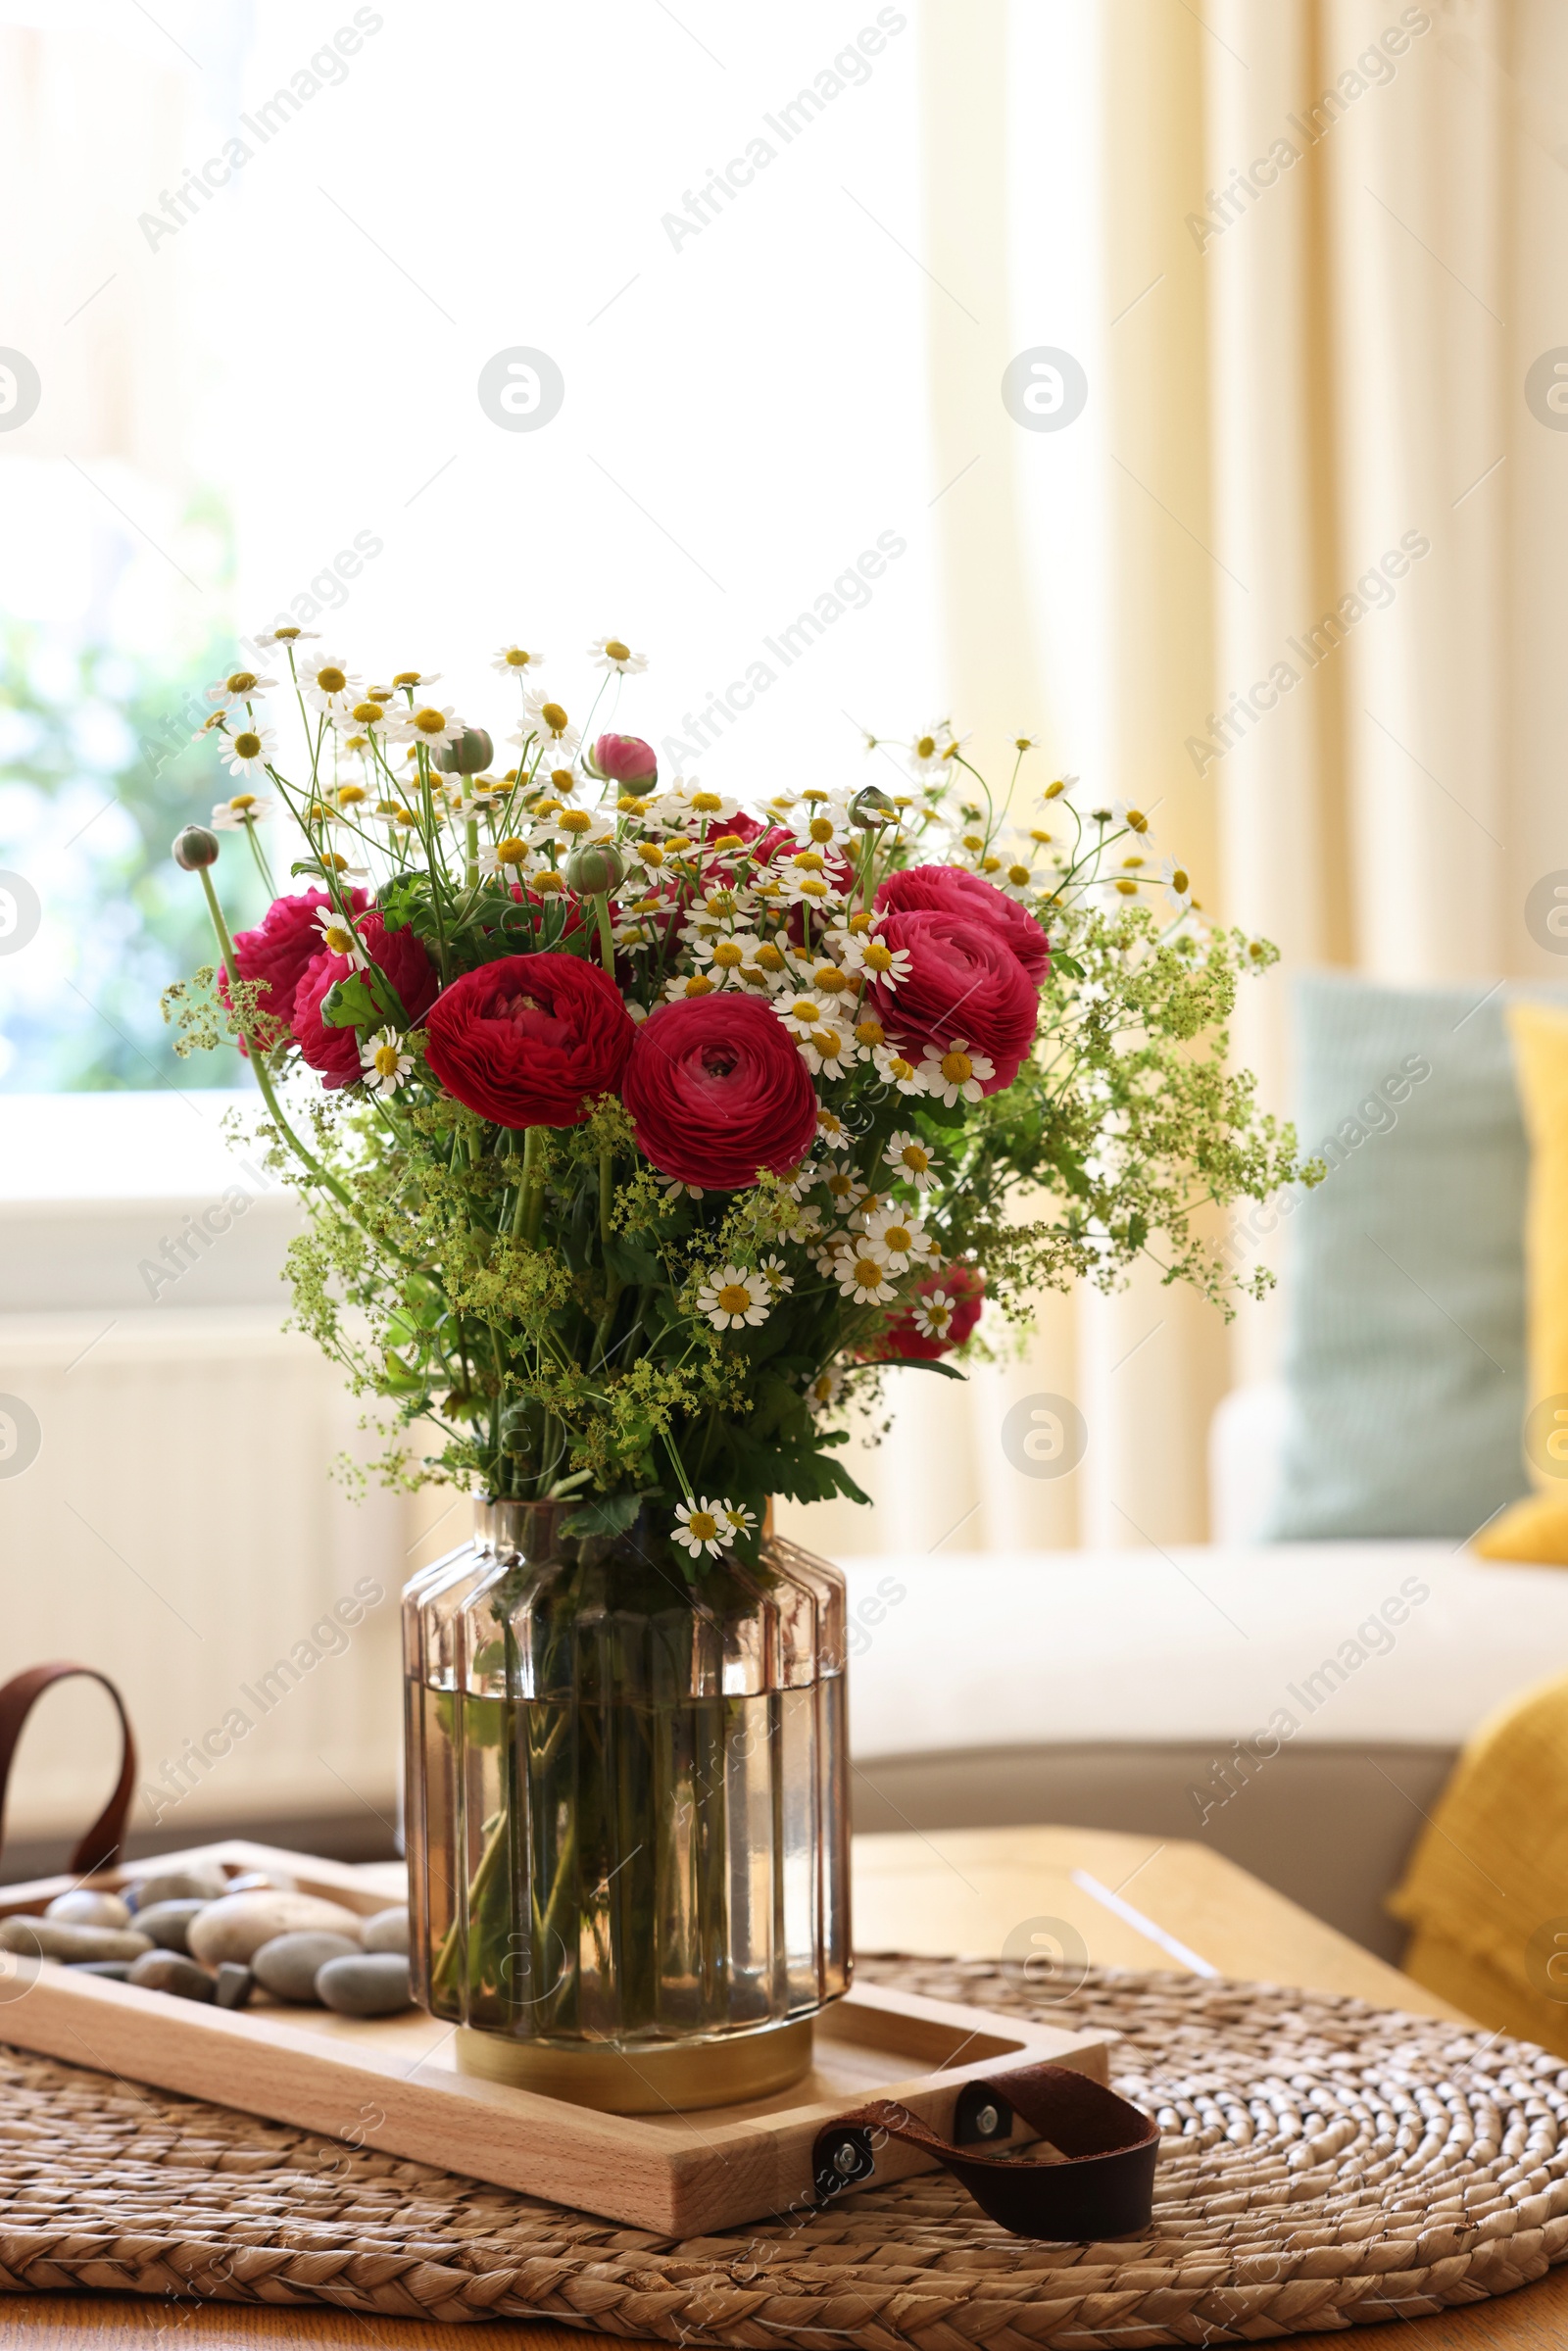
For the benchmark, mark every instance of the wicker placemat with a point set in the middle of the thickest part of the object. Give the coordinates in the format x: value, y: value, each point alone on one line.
x: 1324, y: 2164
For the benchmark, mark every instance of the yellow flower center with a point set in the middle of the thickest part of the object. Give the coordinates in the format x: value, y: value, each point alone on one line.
x: 868, y: 1273
x: 330, y: 680
x: 616, y: 651
x: 630, y: 805
x: 407, y: 677
x: 878, y: 957
x: 1017, y: 876
x: 769, y: 958
x: 992, y: 866
x: 820, y: 828
x: 575, y: 821
x: 386, y: 1060
x: 870, y: 1032
x: 957, y: 1068
x: 407, y: 816
x: 1127, y: 889
x: 1137, y: 820
x: 916, y: 1157
x: 699, y: 985
x: 241, y: 682
x: 861, y: 920
x: 512, y: 851
x: 809, y: 860
x: 379, y: 694
x: 728, y: 957
x: 339, y: 940
x: 429, y: 722
x: 247, y: 745
x: 829, y: 979
x: 649, y: 852
x: 517, y: 659
x: 549, y: 881
x: 388, y: 807
x: 555, y: 718
x: 243, y: 801
x: 706, y: 804
x: 829, y: 1042
x: 735, y: 1298
x: 563, y: 780
x: 926, y: 747
x: 349, y: 794
x: 704, y: 1526
x: 285, y: 635
x: 1178, y: 880
x: 900, y: 1069
x: 727, y: 841
x: 368, y: 713
x: 839, y: 1184
x: 811, y: 887
x: 899, y: 1239
x: 721, y: 901
x: 1132, y: 864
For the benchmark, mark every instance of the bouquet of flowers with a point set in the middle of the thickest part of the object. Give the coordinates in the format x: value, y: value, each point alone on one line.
x: 643, y: 1132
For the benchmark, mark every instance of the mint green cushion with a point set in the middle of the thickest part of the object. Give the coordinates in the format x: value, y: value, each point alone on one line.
x: 1404, y: 1364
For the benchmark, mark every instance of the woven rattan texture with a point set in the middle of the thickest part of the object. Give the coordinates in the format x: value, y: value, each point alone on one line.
x: 1324, y: 2163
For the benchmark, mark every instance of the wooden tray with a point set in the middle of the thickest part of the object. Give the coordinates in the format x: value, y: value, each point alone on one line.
x: 391, y: 2082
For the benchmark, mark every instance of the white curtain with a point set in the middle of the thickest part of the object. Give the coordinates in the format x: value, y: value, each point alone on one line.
x: 1310, y: 251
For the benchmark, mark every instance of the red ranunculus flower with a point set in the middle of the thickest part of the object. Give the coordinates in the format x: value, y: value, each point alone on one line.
x: 716, y: 1088
x: 278, y: 952
x: 531, y: 1040
x: 950, y: 889
x: 903, y: 1340
x: 964, y: 982
x: 335, y: 1053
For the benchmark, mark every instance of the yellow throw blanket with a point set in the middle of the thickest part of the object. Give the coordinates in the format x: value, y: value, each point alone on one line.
x: 1486, y: 1893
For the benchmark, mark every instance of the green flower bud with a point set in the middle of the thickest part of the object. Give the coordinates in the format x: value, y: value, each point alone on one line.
x: 195, y: 848
x: 594, y: 869
x: 870, y: 809
x: 470, y: 754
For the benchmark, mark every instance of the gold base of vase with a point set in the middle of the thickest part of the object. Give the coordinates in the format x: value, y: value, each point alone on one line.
x: 729, y: 2071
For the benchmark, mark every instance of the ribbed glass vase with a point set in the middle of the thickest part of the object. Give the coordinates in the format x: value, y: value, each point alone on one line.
x: 626, y: 1807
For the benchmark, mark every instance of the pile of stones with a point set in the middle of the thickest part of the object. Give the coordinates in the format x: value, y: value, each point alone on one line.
x: 200, y: 1935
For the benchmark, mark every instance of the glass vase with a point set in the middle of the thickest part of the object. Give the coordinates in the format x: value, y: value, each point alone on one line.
x: 626, y: 1810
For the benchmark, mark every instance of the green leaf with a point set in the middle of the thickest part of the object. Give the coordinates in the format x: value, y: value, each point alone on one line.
x: 350, y: 1003
x: 1062, y: 962
x: 944, y: 1371
x: 607, y: 1514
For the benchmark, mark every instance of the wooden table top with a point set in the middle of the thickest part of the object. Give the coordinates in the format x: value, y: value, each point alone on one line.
x: 1137, y: 1901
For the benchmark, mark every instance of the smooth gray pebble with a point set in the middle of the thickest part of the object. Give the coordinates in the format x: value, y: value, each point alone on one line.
x: 287, y: 1967
x: 171, y: 1971
x: 82, y: 1907
x: 389, y: 1930
x: 176, y: 1885
x: 234, y: 1986
x: 114, y: 1970
x: 168, y: 1923
x: 369, y: 1983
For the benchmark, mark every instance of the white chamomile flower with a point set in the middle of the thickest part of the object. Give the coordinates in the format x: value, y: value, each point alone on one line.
x: 861, y: 1272
x: 842, y: 1185
x: 889, y: 965
x: 822, y: 1392
x: 547, y: 719
x: 1178, y: 885
x: 1124, y: 813
x: 509, y: 859
x: 339, y: 937
x: 679, y: 991
x: 727, y: 957
x: 930, y: 752
x: 806, y: 885
x: 385, y: 1062
x: 910, y: 1158
x: 801, y: 1012
x: 780, y: 1280
x: 952, y: 1073
x: 828, y: 1049
x: 234, y: 815
x: 739, y: 1520
x: 899, y: 1233
x: 240, y: 685
x: 414, y: 681
x: 807, y: 1225
x: 689, y: 803
x: 830, y: 1126
x: 247, y: 750
x: 286, y: 637
x: 432, y: 723
x: 933, y: 1315
x: 674, y: 1189
x: 824, y: 823
x: 370, y: 716
x: 896, y: 1070
x: 579, y: 829
x: 733, y: 1297
x: 702, y: 1526
x: 609, y: 653
x: 516, y: 661
x: 326, y: 680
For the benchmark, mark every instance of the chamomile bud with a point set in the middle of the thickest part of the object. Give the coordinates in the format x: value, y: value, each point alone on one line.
x: 195, y: 848
x: 594, y: 869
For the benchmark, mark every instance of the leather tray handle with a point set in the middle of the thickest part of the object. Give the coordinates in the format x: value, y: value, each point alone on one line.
x: 99, y: 1850
x: 1102, y: 2188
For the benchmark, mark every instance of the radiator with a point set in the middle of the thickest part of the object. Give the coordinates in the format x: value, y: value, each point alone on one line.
x: 168, y: 1513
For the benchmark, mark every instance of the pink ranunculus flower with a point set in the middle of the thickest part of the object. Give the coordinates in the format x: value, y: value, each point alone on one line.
x: 627, y: 760
x: 952, y: 890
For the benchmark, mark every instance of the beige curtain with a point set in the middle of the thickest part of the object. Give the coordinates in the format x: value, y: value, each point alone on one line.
x: 1328, y: 242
